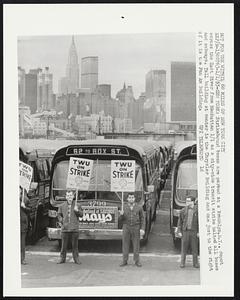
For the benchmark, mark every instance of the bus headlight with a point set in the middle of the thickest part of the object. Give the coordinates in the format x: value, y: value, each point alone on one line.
x: 176, y: 212
x: 52, y: 213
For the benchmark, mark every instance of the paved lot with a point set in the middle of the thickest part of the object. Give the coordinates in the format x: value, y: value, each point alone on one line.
x: 100, y: 261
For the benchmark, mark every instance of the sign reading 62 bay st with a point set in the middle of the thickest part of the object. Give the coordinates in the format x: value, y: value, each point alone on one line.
x: 122, y: 175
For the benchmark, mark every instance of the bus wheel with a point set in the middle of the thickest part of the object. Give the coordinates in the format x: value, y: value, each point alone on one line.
x: 154, y: 214
x: 147, y: 229
x: 177, y: 243
x: 144, y: 241
x: 60, y: 244
x: 37, y: 234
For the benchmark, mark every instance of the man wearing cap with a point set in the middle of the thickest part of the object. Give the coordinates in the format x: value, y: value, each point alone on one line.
x: 133, y: 220
x: 68, y: 214
x: 188, y: 230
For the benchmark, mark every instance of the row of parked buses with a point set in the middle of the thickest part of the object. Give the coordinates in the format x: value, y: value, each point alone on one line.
x: 40, y: 160
x: 154, y: 161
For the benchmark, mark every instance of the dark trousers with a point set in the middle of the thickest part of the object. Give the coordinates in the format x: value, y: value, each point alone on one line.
x: 23, y: 245
x: 189, y: 238
x: 131, y: 233
x: 74, y: 239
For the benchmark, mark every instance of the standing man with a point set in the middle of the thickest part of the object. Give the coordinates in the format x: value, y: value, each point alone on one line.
x: 132, y: 217
x: 188, y: 231
x: 24, y: 212
x: 68, y: 214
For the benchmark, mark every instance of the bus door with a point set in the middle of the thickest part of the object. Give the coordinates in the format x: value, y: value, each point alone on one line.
x: 44, y: 183
x: 185, y: 184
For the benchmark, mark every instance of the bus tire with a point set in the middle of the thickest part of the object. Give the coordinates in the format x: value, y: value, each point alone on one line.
x: 154, y: 215
x: 29, y: 239
x: 37, y: 225
x: 144, y: 241
x: 60, y: 244
x: 177, y: 243
x: 155, y: 212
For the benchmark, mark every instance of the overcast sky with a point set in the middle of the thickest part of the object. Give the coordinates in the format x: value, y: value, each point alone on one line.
x: 122, y: 57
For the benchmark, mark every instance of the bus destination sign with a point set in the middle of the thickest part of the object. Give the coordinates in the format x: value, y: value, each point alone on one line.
x: 97, y: 150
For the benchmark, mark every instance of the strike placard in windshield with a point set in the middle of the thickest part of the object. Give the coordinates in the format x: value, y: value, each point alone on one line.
x: 25, y: 175
x: 79, y: 173
x: 122, y: 175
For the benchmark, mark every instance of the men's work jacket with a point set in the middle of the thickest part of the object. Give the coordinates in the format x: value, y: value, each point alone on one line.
x: 133, y: 217
x: 183, y: 218
x: 70, y: 222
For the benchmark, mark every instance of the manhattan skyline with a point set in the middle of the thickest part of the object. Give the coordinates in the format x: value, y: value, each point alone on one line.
x: 122, y: 57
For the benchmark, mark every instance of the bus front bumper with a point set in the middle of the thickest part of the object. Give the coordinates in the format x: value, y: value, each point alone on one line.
x: 88, y: 234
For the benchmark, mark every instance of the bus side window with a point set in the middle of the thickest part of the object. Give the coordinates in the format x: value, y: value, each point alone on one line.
x: 49, y: 164
x: 152, y: 165
x: 147, y: 174
x: 35, y: 172
x: 42, y: 169
x: 45, y: 169
x: 149, y: 170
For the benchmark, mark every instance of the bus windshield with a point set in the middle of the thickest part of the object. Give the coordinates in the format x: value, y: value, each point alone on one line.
x: 186, y: 180
x: 100, y: 182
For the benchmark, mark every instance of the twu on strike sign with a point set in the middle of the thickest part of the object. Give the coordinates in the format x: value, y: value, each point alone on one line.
x: 79, y: 173
x: 123, y: 175
x: 25, y: 175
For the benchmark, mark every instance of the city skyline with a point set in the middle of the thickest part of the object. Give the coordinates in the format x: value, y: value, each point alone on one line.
x: 132, y: 55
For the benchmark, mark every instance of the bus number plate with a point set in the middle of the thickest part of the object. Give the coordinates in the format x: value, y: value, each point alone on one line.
x: 97, y: 203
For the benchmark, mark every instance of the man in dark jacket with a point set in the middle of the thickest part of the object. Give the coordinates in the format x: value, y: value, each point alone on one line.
x: 68, y: 214
x: 132, y: 217
x: 24, y: 212
x: 188, y: 230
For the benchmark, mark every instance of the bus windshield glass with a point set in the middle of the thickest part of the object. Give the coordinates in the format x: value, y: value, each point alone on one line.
x: 100, y: 182
x: 186, y: 180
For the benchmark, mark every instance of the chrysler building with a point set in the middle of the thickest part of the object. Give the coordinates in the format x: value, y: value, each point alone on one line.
x: 70, y: 83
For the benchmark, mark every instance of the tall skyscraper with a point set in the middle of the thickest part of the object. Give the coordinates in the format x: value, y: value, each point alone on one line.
x: 156, y: 83
x: 183, y: 91
x: 156, y: 95
x: 70, y: 83
x: 35, y: 89
x: 31, y: 91
x: 45, y: 89
x: 21, y: 85
x: 72, y: 71
x: 89, y: 72
x: 125, y: 97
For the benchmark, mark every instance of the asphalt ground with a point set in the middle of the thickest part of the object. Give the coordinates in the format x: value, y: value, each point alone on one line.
x: 100, y: 261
